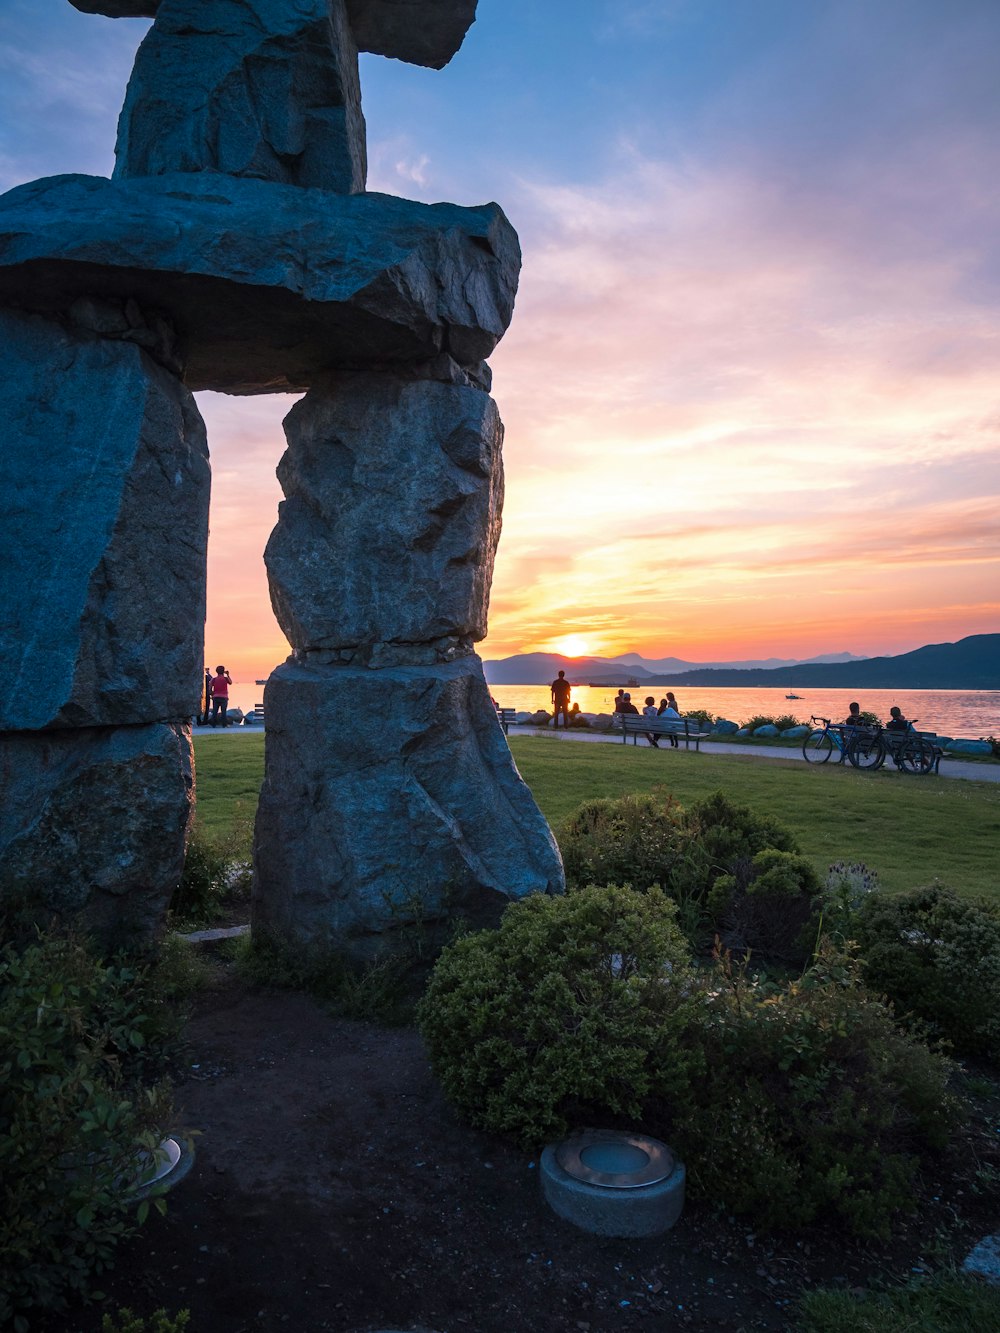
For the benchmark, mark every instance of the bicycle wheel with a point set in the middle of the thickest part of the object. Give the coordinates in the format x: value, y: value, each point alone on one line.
x: 818, y: 747
x: 866, y: 751
x: 917, y: 756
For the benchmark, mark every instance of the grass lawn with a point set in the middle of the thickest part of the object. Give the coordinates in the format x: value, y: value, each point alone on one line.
x: 909, y: 829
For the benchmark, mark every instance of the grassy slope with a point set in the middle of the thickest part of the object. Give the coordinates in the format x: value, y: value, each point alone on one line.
x: 909, y: 829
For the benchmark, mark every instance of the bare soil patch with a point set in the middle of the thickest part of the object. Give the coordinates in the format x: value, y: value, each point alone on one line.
x: 334, y: 1189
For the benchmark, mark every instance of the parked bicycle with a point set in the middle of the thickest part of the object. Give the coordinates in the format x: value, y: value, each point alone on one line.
x: 821, y: 744
x: 869, y: 747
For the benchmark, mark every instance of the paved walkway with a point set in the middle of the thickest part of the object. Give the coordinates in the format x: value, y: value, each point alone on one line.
x: 950, y: 767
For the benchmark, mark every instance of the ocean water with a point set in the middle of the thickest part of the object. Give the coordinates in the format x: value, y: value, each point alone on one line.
x: 968, y: 713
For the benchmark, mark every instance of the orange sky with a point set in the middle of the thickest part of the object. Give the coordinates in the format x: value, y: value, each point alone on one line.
x: 727, y: 437
x: 750, y: 390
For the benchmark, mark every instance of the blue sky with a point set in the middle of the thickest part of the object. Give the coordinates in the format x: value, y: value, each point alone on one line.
x: 751, y: 386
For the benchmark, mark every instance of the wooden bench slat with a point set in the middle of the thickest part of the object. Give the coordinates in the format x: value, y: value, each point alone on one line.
x: 636, y: 726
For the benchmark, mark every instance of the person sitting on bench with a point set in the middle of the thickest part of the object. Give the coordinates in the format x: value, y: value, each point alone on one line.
x: 668, y: 709
x: 650, y: 711
x: 897, y: 722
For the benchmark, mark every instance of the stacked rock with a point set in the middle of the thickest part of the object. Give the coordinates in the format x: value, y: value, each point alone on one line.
x: 235, y: 249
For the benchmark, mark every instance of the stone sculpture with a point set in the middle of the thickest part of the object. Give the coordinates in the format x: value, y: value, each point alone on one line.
x: 235, y: 249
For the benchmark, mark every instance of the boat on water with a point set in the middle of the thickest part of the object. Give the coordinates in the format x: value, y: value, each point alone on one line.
x: 629, y: 684
x: 793, y: 696
x: 260, y: 682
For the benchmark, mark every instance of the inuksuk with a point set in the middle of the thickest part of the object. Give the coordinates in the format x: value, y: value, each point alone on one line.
x: 235, y: 249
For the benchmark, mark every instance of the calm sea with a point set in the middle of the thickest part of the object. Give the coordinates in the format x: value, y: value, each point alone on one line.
x: 969, y: 713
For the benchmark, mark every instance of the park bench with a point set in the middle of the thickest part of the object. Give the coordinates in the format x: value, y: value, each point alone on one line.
x: 506, y: 717
x: 684, y: 728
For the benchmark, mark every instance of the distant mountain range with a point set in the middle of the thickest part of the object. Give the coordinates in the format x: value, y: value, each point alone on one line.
x: 972, y: 663
x: 540, y: 668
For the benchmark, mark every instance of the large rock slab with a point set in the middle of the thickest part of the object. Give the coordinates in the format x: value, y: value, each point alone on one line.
x: 93, y: 823
x: 421, y: 32
x: 388, y: 533
x: 104, y: 479
x: 249, y: 88
x: 390, y: 799
x: 266, y: 285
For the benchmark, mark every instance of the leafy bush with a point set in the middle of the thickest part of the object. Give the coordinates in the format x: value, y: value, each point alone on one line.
x: 84, y: 1045
x: 759, y: 720
x: 771, y: 903
x: 635, y: 839
x: 701, y: 715
x: 792, y: 1104
x: 785, y: 720
x: 937, y: 956
x: 569, y: 1013
x: 158, y: 1322
x: 642, y: 840
x: 214, y: 868
x: 812, y: 1102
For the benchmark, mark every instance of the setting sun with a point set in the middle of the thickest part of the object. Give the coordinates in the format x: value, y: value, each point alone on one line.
x: 571, y: 645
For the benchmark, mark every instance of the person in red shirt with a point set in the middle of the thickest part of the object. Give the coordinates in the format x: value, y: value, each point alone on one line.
x: 221, y: 682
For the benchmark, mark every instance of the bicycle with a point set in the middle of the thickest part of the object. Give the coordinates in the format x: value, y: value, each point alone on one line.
x: 851, y: 743
x: 909, y: 751
x: 868, y: 747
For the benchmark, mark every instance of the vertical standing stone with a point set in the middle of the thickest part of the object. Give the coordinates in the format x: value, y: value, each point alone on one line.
x: 249, y: 88
x: 390, y: 796
x: 104, y: 468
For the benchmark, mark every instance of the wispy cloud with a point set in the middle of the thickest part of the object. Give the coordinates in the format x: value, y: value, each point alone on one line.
x: 741, y: 396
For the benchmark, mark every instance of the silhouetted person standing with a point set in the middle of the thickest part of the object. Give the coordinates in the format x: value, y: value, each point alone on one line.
x: 560, y: 699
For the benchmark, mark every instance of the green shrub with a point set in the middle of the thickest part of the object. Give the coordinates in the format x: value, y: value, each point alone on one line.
x: 646, y: 839
x: 215, y: 868
x: 948, y: 1302
x: 771, y: 904
x: 635, y: 839
x: 845, y: 888
x: 759, y: 720
x: 785, y: 720
x: 158, y: 1322
x: 568, y: 1014
x: 84, y: 1045
x: 701, y: 715
x: 726, y: 856
x: 937, y: 957
x: 813, y: 1102
x: 792, y: 1104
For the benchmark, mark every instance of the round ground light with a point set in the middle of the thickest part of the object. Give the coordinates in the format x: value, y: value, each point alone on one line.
x: 157, y: 1172
x: 613, y: 1183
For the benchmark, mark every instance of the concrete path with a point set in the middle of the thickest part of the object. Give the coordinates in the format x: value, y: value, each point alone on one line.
x: 950, y: 767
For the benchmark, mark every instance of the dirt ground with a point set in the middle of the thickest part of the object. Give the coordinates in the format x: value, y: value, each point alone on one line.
x: 333, y: 1189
